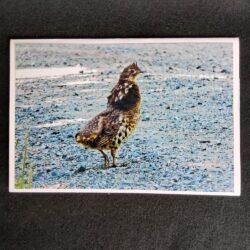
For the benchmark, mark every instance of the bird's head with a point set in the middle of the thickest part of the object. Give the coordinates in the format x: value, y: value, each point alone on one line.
x: 131, y: 72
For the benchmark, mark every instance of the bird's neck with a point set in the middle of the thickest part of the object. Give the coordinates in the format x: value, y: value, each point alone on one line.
x: 129, y: 80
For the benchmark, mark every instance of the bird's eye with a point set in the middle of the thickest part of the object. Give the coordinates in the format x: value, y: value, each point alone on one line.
x: 132, y: 71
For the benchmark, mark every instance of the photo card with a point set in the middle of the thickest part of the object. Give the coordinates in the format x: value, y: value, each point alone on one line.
x: 158, y: 116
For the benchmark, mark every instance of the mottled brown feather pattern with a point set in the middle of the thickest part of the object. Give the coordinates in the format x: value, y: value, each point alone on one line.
x: 104, y: 125
x: 110, y: 128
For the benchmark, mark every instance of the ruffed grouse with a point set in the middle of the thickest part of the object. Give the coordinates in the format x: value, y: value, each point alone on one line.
x: 110, y: 128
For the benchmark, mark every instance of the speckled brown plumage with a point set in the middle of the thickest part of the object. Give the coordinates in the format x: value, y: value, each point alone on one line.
x: 110, y: 128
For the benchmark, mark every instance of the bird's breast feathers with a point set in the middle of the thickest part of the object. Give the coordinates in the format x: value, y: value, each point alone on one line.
x: 124, y: 96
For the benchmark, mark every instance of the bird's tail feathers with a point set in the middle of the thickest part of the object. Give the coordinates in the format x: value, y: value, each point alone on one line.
x: 80, y: 138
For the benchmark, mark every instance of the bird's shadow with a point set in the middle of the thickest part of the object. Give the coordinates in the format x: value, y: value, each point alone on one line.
x: 122, y: 165
x: 125, y: 165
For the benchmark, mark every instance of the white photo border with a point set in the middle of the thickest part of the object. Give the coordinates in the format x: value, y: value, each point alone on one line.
x: 236, y: 112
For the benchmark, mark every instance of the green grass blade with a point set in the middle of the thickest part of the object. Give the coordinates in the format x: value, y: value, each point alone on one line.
x: 22, y: 178
x: 30, y: 175
x: 17, y: 184
x: 17, y: 142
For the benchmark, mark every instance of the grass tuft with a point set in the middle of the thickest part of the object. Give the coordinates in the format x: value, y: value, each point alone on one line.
x: 20, y: 182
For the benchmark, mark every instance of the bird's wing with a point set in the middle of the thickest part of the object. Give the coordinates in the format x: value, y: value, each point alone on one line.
x: 92, y: 129
x: 110, y: 126
x: 102, y: 128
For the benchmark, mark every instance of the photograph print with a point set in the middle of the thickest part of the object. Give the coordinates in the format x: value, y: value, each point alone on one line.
x: 125, y: 116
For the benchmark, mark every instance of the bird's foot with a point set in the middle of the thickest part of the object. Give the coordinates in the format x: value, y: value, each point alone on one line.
x: 106, y: 166
x: 113, y: 166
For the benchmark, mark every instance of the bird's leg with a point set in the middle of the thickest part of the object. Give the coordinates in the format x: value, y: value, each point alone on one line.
x: 106, y: 159
x: 113, y: 153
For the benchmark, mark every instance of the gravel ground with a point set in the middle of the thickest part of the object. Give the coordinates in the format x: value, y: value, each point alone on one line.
x: 184, y: 141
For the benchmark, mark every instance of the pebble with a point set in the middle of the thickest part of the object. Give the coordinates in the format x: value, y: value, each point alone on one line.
x: 80, y: 170
x: 54, y: 173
